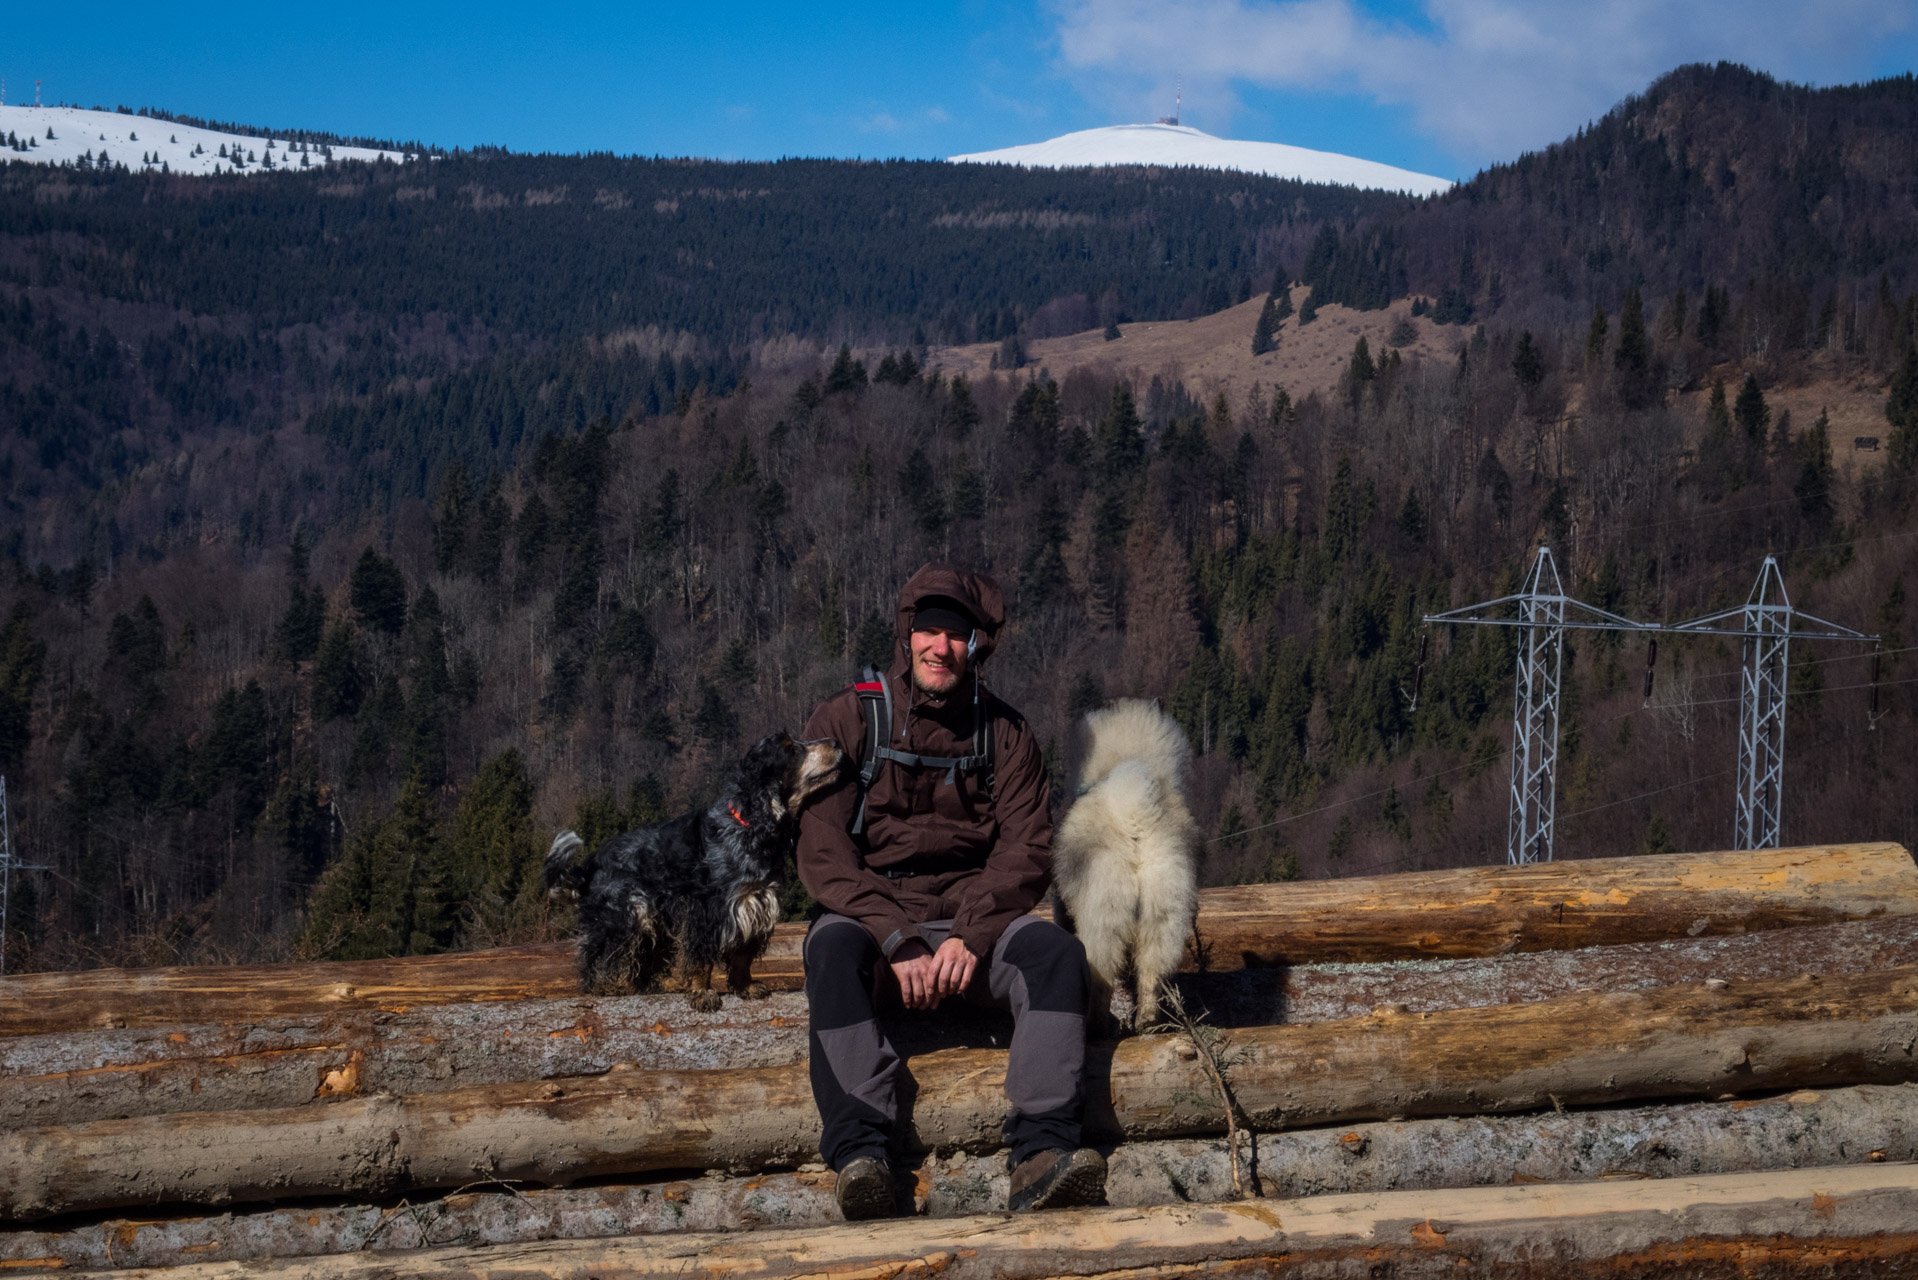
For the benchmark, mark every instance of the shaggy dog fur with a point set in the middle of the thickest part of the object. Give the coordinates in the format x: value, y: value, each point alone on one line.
x: 1124, y: 859
x: 702, y: 889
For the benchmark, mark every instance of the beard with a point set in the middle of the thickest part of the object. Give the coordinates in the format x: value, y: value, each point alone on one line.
x: 936, y: 682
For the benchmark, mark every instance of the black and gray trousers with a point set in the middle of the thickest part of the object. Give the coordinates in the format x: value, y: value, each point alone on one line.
x: 1037, y: 971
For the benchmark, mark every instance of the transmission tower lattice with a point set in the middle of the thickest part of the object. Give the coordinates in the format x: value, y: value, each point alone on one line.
x: 8, y: 865
x: 1544, y: 613
x: 1767, y: 623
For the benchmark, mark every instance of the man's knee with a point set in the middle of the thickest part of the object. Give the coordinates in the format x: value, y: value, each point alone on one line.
x: 840, y: 957
x: 835, y: 944
x: 1053, y: 964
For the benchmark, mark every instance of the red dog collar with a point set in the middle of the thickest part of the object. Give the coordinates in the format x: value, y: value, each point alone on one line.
x: 736, y: 818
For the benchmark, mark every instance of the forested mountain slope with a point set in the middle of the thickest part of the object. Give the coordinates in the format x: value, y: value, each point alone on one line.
x: 1714, y: 175
x: 361, y: 532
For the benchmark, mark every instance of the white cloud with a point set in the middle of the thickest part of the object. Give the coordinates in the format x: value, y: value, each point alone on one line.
x: 1486, y: 78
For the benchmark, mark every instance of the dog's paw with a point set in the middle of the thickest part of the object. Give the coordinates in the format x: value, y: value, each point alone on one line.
x: 753, y: 991
x: 707, y: 1001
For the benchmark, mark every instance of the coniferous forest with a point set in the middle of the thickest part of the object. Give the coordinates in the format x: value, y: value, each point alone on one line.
x: 364, y: 527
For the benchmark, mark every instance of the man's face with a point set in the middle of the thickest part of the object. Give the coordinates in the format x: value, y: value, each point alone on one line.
x: 938, y: 659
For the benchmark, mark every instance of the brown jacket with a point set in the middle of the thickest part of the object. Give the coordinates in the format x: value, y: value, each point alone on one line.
x: 987, y: 858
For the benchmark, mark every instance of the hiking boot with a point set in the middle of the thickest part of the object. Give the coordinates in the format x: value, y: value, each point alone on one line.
x: 864, y: 1189
x: 1058, y: 1179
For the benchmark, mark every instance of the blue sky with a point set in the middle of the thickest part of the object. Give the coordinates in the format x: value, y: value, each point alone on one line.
x: 1438, y: 86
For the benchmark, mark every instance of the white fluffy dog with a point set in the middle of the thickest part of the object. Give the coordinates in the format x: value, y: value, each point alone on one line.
x: 1123, y: 860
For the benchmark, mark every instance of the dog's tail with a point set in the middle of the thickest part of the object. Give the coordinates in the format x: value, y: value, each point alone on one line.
x: 563, y: 863
x: 1132, y: 729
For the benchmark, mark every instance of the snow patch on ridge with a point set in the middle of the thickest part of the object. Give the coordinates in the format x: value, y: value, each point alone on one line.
x: 64, y: 134
x: 1175, y: 145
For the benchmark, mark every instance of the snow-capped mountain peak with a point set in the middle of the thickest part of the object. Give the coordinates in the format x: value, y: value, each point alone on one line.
x: 1173, y: 145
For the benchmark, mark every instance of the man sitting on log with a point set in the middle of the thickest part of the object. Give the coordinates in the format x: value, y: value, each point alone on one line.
x: 930, y: 860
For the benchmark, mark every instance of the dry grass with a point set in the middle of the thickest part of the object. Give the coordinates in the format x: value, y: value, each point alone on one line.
x: 1213, y: 354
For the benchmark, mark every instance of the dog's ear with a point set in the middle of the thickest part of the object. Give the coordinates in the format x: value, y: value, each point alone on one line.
x: 766, y: 763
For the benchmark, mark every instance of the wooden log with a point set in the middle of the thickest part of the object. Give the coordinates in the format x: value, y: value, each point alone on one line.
x: 1476, y: 911
x: 1853, y: 1221
x: 1695, y: 1040
x: 1553, y: 906
x: 59, y: 1079
x: 1806, y: 1129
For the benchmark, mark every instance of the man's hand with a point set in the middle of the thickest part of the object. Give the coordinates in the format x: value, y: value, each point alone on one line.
x: 927, y: 977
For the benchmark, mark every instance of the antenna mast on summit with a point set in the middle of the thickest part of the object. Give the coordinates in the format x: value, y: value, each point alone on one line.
x: 1178, y: 102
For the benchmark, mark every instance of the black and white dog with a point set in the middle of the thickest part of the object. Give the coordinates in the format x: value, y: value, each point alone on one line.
x: 681, y: 896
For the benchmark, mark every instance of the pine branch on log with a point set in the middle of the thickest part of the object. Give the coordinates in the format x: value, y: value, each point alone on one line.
x: 1859, y: 1220
x: 96, y: 1075
x: 1801, y: 1130
x: 1699, y: 1040
x: 1477, y: 911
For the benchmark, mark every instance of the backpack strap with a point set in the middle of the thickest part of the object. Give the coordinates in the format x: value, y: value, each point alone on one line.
x: 875, y: 705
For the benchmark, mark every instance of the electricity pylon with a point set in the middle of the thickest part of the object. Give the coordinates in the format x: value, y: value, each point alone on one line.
x: 1545, y: 613
x: 1767, y: 623
x: 8, y: 865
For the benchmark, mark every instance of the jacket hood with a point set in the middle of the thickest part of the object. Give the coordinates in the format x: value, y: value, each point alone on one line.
x: 979, y: 593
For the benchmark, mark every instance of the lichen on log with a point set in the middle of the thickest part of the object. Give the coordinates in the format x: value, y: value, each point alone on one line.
x: 1696, y: 1040
x: 1805, y: 1129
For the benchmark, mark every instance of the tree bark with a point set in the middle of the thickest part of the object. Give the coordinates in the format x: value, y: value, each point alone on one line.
x: 1800, y: 1130
x: 1477, y: 911
x: 1696, y: 1040
x: 98, y: 1075
x: 1855, y: 1221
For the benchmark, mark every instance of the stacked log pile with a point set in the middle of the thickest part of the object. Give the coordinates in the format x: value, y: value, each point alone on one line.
x: 1527, y: 1025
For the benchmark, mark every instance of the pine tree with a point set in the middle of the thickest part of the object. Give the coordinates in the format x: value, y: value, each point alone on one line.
x: 452, y: 515
x: 1268, y: 326
x: 339, y: 685
x: 22, y: 663
x: 1631, y: 359
x: 577, y: 597
x: 1714, y: 314
x: 1595, y: 338
x: 1718, y: 416
x: 1751, y: 412
x: 429, y: 689
x: 388, y: 894
x: 1341, y: 529
x: 1309, y: 309
x: 493, y: 859
x: 296, y: 637
x: 378, y: 593
x: 1413, y: 525
x: 923, y: 494
x: 1360, y: 372
x: 962, y: 411
x: 1528, y: 362
x: 494, y: 524
x: 1815, y: 472
x: 846, y: 374
x: 1283, y: 413
x: 1901, y: 411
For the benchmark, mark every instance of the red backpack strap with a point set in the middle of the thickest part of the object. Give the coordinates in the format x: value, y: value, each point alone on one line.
x: 875, y: 706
